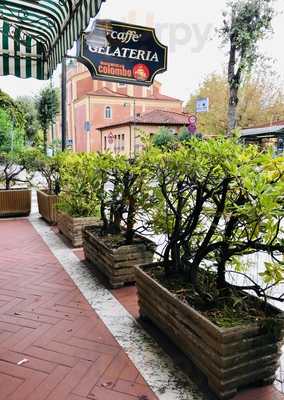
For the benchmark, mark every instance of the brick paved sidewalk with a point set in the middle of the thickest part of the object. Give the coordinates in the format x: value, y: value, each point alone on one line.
x: 68, y: 352
x: 127, y: 296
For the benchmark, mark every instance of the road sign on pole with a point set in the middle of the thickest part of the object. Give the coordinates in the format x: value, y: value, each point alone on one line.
x: 192, y: 124
x: 110, y: 138
x: 192, y: 120
x: 87, y: 126
x: 192, y: 128
x: 202, y: 105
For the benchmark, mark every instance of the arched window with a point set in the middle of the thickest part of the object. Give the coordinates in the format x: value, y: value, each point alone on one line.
x: 108, y: 112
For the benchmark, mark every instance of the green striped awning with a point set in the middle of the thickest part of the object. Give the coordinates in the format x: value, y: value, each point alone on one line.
x: 35, y: 34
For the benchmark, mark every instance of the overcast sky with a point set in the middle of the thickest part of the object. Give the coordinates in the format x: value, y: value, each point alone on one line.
x: 188, y: 28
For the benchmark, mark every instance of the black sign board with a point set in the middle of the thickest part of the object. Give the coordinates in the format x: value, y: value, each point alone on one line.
x: 119, y: 52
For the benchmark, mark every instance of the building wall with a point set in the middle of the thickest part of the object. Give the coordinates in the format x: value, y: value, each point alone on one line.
x: 127, y: 138
x: 84, y: 86
x: 121, y: 140
x: 122, y: 108
x: 97, y: 116
x: 80, y: 135
x: 83, y: 106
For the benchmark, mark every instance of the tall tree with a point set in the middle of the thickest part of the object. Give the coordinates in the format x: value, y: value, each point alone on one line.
x: 5, y: 130
x: 28, y: 107
x: 12, y: 108
x: 12, y: 138
x: 213, y: 122
x: 260, y: 102
x: 47, y: 108
x: 245, y: 25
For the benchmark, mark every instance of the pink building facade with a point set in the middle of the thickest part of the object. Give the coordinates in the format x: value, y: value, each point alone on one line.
x: 92, y: 103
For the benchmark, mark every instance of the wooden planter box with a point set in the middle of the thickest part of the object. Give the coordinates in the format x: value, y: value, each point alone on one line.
x: 117, y: 264
x: 47, y: 206
x: 72, y: 228
x: 230, y: 358
x: 15, y: 203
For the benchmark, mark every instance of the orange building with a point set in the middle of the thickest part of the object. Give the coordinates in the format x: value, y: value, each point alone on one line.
x: 124, y: 137
x: 92, y: 103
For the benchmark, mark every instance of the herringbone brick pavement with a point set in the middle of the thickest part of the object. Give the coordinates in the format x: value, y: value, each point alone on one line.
x: 127, y: 296
x: 68, y: 352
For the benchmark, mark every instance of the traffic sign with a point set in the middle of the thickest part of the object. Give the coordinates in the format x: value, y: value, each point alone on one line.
x: 69, y: 143
x: 87, y: 126
x: 202, y: 105
x: 192, y: 128
x: 110, y: 138
x: 192, y: 120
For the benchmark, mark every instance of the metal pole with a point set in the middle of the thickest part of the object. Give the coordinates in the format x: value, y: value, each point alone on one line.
x: 52, y: 124
x: 134, y: 125
x: 63, y: 103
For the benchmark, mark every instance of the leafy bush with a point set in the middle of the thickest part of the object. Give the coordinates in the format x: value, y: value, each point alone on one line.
x: 49, y: 167
x: 12, y: 108
x: 184, y: 135
x: 47, y: 105
x: 217, y: 200
x: 11, y: 137
x: 164, y: 137
x: 79, y: 185
x: 105, y: 185
x: 123, y: 193
x: 14, y: 164
x: 27, y: 106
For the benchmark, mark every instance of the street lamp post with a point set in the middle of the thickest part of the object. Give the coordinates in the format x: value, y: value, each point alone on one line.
x: 134, y: 126
x: 63, y: 103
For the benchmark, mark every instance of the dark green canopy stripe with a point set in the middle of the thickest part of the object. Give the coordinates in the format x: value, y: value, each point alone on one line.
x: 35, y: 35
x: 21, y: 56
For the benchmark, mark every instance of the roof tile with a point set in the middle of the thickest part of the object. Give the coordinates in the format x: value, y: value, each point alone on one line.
x: 160, y: 117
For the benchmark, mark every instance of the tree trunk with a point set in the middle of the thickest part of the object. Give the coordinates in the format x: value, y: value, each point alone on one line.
x: 103, y: 214
x: 232, y: 110
x: 234, y: 82
x: 130, y: 220
x: 221, y: 274
x: 45, y: 141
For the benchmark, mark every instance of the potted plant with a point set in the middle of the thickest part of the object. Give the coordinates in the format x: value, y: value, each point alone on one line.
x: 47, y: 197
x: 116, y: 247
x: 78, y: 205
x: 216, y: 202
x: 15, y: 199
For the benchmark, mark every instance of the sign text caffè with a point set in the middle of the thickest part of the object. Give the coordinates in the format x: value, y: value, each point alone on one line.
x: 122, y: 53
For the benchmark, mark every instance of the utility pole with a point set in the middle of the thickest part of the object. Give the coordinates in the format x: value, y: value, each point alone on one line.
x: 134, y: 126
x: 63, y: 103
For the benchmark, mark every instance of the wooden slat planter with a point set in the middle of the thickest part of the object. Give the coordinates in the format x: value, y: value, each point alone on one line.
x: 72, y: 227
x: 230, y: 358
x: 47, y: 206
x: 15, y: 203
x: 117, y: 264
